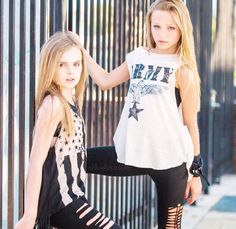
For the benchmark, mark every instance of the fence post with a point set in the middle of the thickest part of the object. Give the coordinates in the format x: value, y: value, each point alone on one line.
x: 202, y: 23
x: 223, y: 83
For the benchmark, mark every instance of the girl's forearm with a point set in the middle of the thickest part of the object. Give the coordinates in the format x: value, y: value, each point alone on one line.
x: 97, y: 73
x: 194, y: 133
x: 104, y: 79
x: 33, y: 185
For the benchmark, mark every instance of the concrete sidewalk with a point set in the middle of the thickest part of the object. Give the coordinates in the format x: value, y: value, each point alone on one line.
x: 216, y: 210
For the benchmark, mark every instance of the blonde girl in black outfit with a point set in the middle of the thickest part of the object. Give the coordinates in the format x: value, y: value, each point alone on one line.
x: 55, y: 189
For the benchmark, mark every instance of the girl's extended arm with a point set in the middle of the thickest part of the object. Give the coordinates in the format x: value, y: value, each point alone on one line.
x: 49, y: 116
x: 104, y: 79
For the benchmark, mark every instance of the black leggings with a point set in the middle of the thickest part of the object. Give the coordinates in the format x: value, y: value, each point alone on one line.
x: 80, y: 215
x: 170, y: 183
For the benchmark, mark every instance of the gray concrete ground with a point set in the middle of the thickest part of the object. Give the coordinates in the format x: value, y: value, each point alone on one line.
x: 216, y: 210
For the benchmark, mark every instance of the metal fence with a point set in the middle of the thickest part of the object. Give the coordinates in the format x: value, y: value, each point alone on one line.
x: 214, y: 24
x: 109, y: 29
x: 223, y: 60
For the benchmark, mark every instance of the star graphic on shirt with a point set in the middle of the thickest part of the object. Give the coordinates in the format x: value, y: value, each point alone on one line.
x: 133, y: 111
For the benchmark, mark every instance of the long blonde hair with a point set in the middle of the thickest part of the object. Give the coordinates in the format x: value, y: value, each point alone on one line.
x: 186, y: 49
x: 50, y: 56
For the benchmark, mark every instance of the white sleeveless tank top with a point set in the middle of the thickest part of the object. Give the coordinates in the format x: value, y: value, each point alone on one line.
x: 151, y: 133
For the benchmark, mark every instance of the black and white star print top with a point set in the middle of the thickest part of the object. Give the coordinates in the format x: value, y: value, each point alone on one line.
x: 64, y: 173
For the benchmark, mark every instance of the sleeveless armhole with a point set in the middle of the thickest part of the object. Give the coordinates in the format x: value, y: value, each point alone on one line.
x: 177, y: 96
x: 57, y: 132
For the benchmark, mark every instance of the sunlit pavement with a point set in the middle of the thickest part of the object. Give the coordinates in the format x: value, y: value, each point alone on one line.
x: 216, y: 210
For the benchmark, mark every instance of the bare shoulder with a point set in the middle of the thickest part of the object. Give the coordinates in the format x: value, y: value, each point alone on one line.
x: 51, y: 107
x: 184, y: 76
